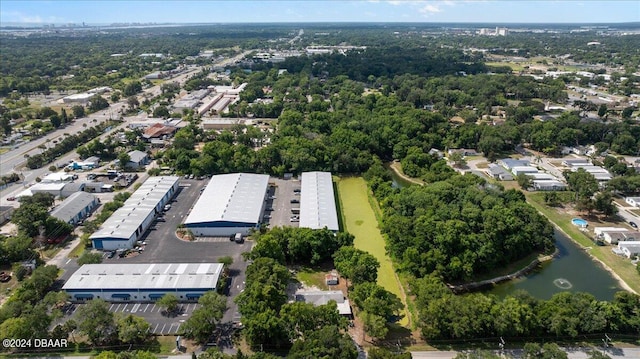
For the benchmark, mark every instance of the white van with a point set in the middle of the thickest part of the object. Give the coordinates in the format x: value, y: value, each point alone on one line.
x: 238, y: 238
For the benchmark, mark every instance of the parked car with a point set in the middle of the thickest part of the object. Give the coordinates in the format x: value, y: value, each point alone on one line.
x: 11, y: 198
x: 111, y: 254
x: 633, y: 224
x: 167, y: 207
x: 295, y: 201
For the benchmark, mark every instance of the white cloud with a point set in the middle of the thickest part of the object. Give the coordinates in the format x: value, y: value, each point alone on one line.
x: 429, y: 9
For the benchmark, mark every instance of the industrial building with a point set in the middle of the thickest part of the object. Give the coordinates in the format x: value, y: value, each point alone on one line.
x: 127, y: 224
x: 75, y: 208
x: 231, y: 203
x: 143, y: 282
x: 317, y: 202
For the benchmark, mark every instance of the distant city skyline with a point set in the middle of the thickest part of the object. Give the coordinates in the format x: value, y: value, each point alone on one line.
x: 252, y: 11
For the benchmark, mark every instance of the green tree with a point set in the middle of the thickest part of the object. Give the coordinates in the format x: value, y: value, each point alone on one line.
x: 582, y: 183
x: 78, y: 111
x: 97, y: 322
x: 203, y: 321
x: 89, y: 257
x: 524, y: 181
x: 30, y: 218
x: 123, y: 159
x: 356, y: 265
x: 169, y: 302
x: 603, y: 202
x: 374, y: 325
x: 133, y: 329
x: 97, y: 103
x: 327, y: 342
x: 457, y: 159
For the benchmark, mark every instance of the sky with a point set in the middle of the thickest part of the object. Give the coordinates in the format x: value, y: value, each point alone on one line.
x: 252, y: 11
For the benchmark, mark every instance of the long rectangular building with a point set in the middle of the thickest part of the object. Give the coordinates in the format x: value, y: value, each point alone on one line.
x: 127, y: 224
x: 231, y: 203
x: 142, y: 282
x: 317, y: 202
x: 75, y: 207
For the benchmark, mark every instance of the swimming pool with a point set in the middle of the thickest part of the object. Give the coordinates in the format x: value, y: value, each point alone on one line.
x: 579, y: 222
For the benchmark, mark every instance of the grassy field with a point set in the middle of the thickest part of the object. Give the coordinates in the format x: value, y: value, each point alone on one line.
x: 621, y: 266
x: 360, y: 220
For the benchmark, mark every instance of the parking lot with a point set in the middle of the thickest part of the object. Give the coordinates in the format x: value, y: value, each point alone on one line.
x: 282, y: 193
x: 161, y: 324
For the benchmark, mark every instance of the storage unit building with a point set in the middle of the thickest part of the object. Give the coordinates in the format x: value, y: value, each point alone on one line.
x: 317, y: 202
x: 76, y: 207
x: 142, y: 282
x: 129, y: 222
x: 231, y: 203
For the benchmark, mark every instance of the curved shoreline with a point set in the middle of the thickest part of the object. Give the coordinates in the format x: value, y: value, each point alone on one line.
x: 615, y: 275
x: 393, y: 165
x: 476, y: 286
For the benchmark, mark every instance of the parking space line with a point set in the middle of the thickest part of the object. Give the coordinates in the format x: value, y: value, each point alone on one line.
x: 135, y: 307
x: 155, y: 329
x: 111, y: 307
x: 163, y: 325
x: 147, y: 307
x: 117, y: 308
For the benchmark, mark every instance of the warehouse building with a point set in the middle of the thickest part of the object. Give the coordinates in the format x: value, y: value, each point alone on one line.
x: 129, y: 222
x: 317, y: 202
x: 142, y: 282
x: 231, y: 203
x: 76, y: 207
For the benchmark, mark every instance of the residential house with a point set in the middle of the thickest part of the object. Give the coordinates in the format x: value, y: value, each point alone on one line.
x: 629, y: 248
x: 509, y: 163
x: 322, y: 297
x: 634, y: 201
x: 548, y: 185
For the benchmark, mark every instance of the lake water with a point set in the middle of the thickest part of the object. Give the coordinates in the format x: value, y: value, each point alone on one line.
x: 571, y: 270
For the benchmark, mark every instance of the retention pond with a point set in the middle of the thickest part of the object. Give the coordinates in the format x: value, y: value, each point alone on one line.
x: 571, y: 270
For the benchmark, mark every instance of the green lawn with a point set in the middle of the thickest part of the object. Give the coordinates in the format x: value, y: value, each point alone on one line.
x: 360, y: 220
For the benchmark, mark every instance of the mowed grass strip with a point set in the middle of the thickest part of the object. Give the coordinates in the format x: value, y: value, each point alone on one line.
x: 360, y: 220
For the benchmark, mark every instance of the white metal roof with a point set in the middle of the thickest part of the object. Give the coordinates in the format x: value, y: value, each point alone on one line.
x: 125, y: 220
x: 70, y: 207
x: 145, y: 276
x: 235, y: 197
x: 317, y: 201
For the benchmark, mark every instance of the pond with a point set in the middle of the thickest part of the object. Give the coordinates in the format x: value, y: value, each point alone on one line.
x: 571, y: 270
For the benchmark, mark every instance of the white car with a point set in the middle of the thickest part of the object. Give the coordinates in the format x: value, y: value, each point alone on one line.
x: 167, y: 207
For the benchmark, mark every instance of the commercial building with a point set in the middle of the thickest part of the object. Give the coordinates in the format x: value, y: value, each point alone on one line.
x: 317, y: 202
x: 138, y: 159
x: 142, y: 282
x: 231, y: 203
x: 131, y: 221
x: 54, y: 188
x: 75, y: 208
